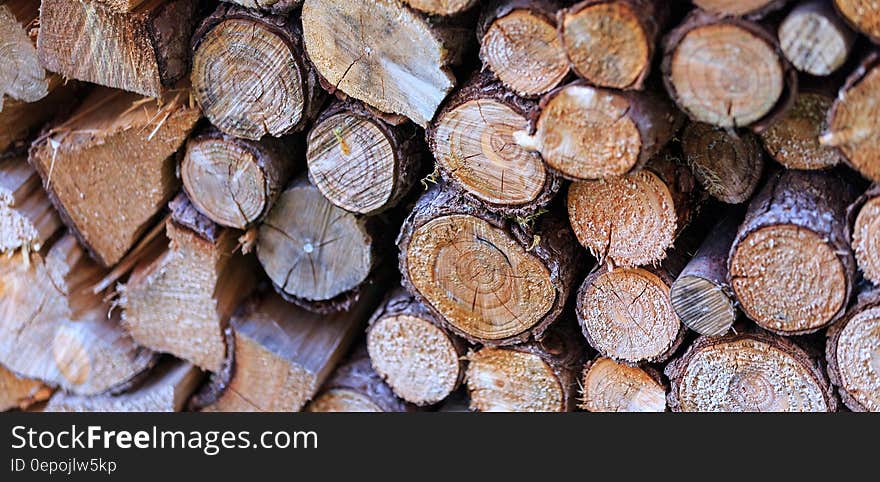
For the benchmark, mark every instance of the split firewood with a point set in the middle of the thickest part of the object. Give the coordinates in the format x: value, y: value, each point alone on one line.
x: 537, y: 376
x: 749, y: 372
x: 250, y: 74
x: 107, y: 197
x: 419, y: 360
x: 864, y: 15
x: 484, y: 278
x: 519, y: 44
x: 727, y: 164
x: 854, y: 120
x: 790, y: 265
x: 359, y: 161
x: 633, y: 219
x: 611, y: 43
x: 316, y: 254
x: 283, y: 354
x: 793, y: 138
x: 608, y: 386
x: 584, y: 132
x: 814, y: 39
x: 748, y: 8
x: 355, y: 387
x: 180, y: 300
x: 472, y: 140
x: 851, y: 352
x: 145, y: 50
x: 20, y: 393
x: 865, y: 233
x: 384, y: 54
x: 235, y: 181
x: 27, y: 218
x: 54, y: 329
x: 441, y: 7
x: 701, y: 294
x: 728, y: 72
x: 166, y: 389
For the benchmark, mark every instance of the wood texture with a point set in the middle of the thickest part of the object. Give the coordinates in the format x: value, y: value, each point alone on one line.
x: 851, y: 352
x: 814, y: 39
x: 793, y: 139
x: 727, y: 164
x: 864, y: 223
x: 273, y: 6
x: 608, y: 386
x: 22, y: 78
x: 27, y: 218
x: 20, y: 393
x: 442, y: 7
x: 355, y: 387
x: 750, y: 8
x: 863, y: 15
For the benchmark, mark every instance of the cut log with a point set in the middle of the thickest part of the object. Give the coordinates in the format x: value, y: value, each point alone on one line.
x: 727, y: 164
x: 472, y: 140
x: 54, y: 329
x: 441, y: 7
x: 632, y: 220
x: 749, y: 8
x: 282, y: 354
x: 865, y: 233
x: 793, y: 139
x: 608, y: 386
x: 701, y: 294
x: 383, y: 53
x: 144, y: 51
x: 626, y: 314
x: 853, y: 354
x: 790, y: 265
x: 814, y: 39
x: 180, y: 301
x: 360, y: 162
x: 166, y: 389
x: 20, y: 393
x: 355, y: 387
x: 107, y: 197
x: 584, y: 132
x: 854, y: 120
x: 485, y: 279
x: 27, y: 218
x: 863, y: 15
x: 519, y: 44
x: 316, y: 254
x: 750, y: 372
x: 610, y: 43
x: 281, y: 7
x: 21, y: 76
x: 727, y: 72
x: 250, y: 75
x: 234, y: 181
x: 538, y: 376
x: 416, y: 357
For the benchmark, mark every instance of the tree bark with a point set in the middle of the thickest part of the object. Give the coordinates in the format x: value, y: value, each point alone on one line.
x: 250, y: 74
x: 143, y: 51
x: 355, y: 387
x: 814, y: 39
x: 472, y: 140
x: 421, y: 361
x: 862, y: 15
x: 748, y: 372
x: 27, y: 218
x: 20, y: 393
x: 610, y: 43
x: 790, y: 264
x: 586, y: 133
x: 278, y: 7
x: 484, y: 278
x: 793, y: 139
x: 608, y: 386
x: 727, y: 164
x: 864, y: 222
x: 360, y: 162
x: 851, y: 354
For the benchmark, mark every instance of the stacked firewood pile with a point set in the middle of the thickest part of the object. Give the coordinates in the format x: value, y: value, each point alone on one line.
x: 387, y: 205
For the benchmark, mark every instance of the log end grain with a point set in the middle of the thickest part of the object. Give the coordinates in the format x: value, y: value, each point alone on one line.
x: 441, y: 7
x: 814, y: 39
x: 866, y: 239
x: 728, y: 165
x: 793, y: 139
x: 608, y: 386
x: 508, y: 380
x: 853, y: 354
x: 22, y: 77
x: 864, y: 15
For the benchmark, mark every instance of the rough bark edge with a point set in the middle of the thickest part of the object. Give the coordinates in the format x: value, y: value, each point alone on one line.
x: 868, y: 64
x: 185, y: 214
x: 868, y: 299
x: 170, y: 42
x: 212, y: 389
x: 357, y: 375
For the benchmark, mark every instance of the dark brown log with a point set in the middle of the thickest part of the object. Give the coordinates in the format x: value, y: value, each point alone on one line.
x: 281, y: 7
x: 727, y: 164
x: 608, y: 386
x: 235, y: 181
x: 441, y: 7
x: 355, y: 387
x: 537, y: 376
x: 384, y: 54
x: 864, y: 217
x: 728, y: 72
x: 748, y: 8
x: 610, y: 43
x: 107, y: 197
x: 27, y: 218
x: 20, y: 393
x: 814, y: 39
x: 863, y: 15
x: 472, y: 140
x: 422, y: 362
x: 250, y: 74
x: 359, y: 161
x: 790, y: 265
x: 854, y: 120
x: 632, y: 220
x: 145, y: 50
x: 851, y: 352
x: 701, y: 294
x: 483, y: 277
x: 793, y: 138
x: 748, y: 372
x: 519, y: 44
